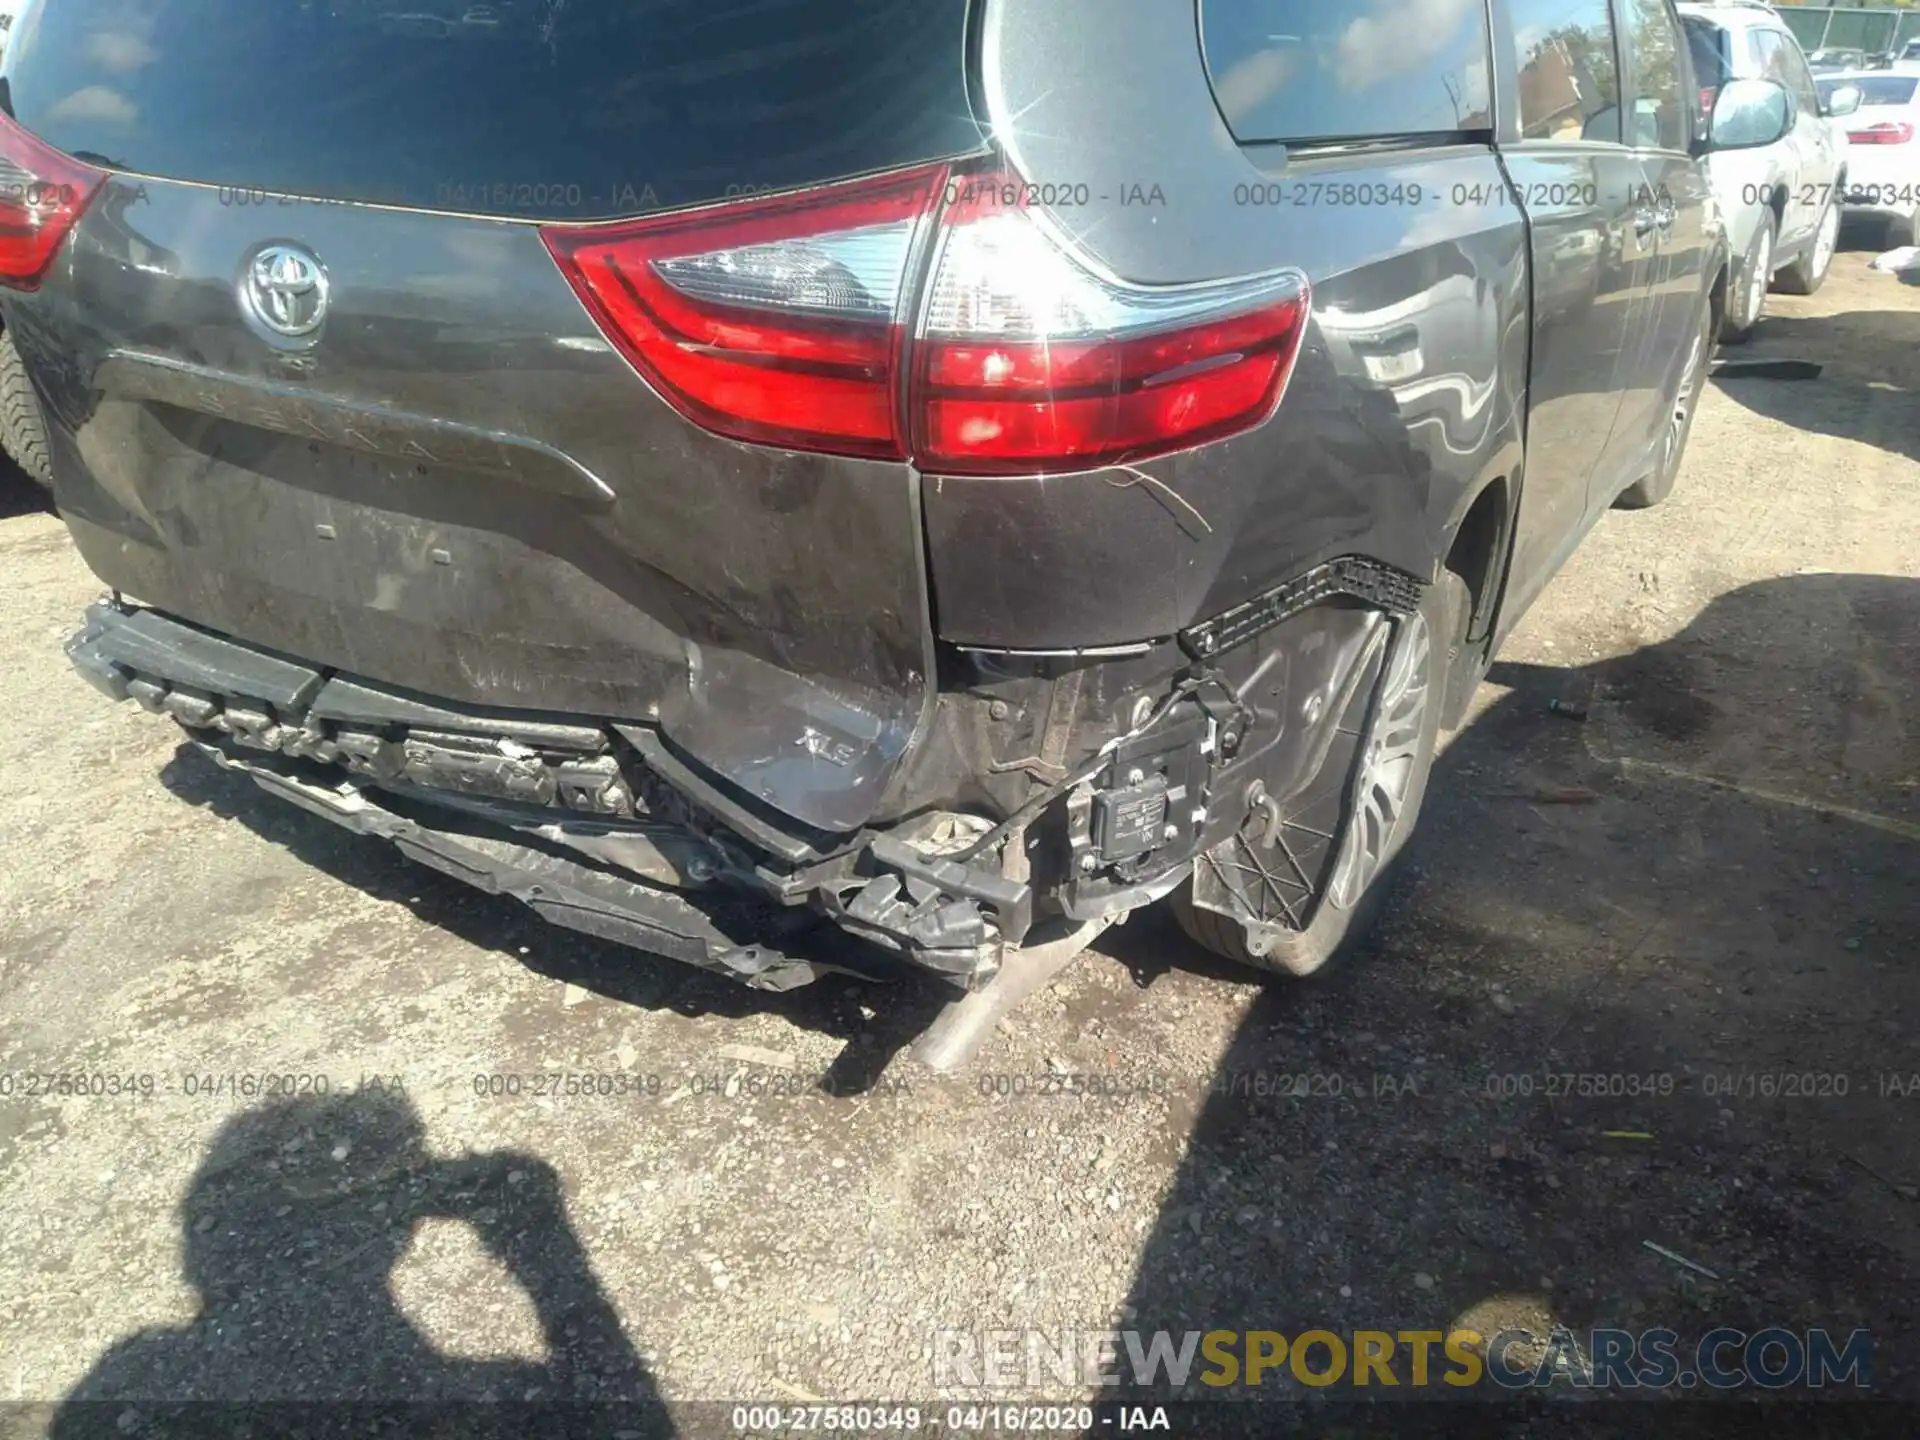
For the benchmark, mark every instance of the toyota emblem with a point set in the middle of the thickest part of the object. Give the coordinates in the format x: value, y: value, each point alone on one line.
x: 286, y: 291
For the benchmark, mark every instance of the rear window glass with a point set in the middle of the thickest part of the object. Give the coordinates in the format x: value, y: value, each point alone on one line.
x: 1302, y: 70
x: 1875, y: 89
x: 543, y: 109
x: 1712, y: 51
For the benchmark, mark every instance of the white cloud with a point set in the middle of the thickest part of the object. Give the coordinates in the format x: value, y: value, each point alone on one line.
x: 97, y: 103
x: 1397, y: 37
x: 119, y: 53
x: 1250, y: 83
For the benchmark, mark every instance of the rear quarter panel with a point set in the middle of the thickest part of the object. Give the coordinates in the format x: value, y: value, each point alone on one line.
x: 1406, y: 399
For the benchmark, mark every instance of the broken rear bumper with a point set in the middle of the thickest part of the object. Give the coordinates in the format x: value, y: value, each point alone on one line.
x: 1048, y: 794
x: 601, y: 828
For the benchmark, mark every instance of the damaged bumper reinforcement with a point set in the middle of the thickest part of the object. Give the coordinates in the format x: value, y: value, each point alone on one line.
x: 1136, y: 768
x: 599, y: 828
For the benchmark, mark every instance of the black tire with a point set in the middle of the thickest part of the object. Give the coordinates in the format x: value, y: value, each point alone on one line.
x: 22, y: 430
x: 1808, y: 273
x: 1749, y: 303
x: 1334, y: 928
x: 1645, y: 494
x: 1902, y: 230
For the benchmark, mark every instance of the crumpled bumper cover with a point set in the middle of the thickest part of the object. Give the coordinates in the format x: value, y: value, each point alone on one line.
x: 496, y: 800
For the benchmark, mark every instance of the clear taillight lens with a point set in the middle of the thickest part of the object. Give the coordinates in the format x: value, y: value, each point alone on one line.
x: 1027, y: 362
x: 775, y: 321
x: 42, y: 194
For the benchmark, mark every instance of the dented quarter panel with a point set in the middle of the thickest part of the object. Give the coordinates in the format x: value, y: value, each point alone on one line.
x: 1407, y: 397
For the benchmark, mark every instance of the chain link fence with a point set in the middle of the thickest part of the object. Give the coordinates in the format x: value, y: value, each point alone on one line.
x: 1874, y: 32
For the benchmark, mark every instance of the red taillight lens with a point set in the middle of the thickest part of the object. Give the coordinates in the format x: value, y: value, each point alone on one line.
x: 42, y: 193
x: 781, y: 322
x: 1887, y: 132
x: 776, y: 321
x: 1028, y: 363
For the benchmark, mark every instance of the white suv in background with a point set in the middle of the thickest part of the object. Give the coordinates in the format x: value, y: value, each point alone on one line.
x: 1781, y: 201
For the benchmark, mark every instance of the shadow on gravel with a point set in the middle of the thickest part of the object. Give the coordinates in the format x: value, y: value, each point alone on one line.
x: 874, y: 1022
x: 1864, y: 391
x: 19, y: 495
x: 1648, y: 978
x: 291, y: 1233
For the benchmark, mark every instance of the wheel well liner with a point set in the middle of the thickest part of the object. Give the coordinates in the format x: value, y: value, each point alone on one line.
x: 1478, y: 553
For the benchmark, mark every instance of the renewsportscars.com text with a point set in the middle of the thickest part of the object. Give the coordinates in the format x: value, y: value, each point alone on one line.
x: 1724, y: 1358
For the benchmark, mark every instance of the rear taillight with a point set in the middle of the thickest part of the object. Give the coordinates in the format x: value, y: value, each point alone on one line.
x: 784, y: 322
x: 1028, y: 363
x: 1887, y: 132
x: 776, y: 321
x: 42, y: 193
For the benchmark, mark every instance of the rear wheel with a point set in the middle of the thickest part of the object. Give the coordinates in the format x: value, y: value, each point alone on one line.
x: 1657, y: 486
x: 1756, y: 270
x: 1903, y: 230
x: 1809, y: 272
x: 22, y: 430
x: 1390, y: 782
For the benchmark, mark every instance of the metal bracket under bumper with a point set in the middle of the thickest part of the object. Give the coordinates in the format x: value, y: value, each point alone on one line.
x: 490, y: 796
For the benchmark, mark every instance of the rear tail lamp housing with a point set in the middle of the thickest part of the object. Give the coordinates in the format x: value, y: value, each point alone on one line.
x: 776, y: 321
x: 42, y: 194
x: 802, y: 322
x: 1887, y: 132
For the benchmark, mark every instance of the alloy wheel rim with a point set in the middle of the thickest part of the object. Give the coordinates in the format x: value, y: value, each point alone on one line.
x: 1683, y: 399
x: 1828, y: 240
x: 1389, y: 765
x: 1757, y: 281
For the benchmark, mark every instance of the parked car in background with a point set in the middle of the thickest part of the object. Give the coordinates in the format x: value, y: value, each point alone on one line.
x: 1823, y: 62
x: 1883, y: 169
x: 1781, y: 201
x: 965, y: 511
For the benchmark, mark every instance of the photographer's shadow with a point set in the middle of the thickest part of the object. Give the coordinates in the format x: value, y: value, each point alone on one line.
x: 292, y: 1230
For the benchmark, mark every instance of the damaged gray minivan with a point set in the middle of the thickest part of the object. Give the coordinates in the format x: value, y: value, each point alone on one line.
x: 949, y: 471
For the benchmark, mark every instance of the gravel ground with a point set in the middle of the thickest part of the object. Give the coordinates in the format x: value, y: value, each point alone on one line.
x: 784, y: 1209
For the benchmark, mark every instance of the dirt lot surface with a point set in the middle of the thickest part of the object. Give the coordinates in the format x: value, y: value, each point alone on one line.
x: 1724, y: 932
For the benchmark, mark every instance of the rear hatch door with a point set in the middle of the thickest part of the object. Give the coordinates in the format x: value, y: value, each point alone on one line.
x: 453, y: 482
